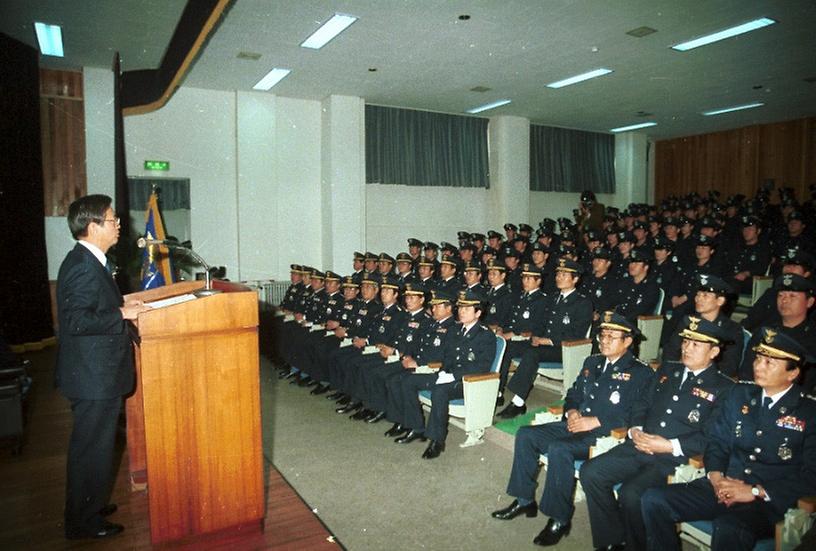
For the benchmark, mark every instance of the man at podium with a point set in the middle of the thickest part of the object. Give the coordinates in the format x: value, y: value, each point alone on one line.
x: 94, y: 364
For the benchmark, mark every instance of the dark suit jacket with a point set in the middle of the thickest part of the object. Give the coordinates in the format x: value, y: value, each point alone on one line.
x: 95, y: 359
x: 471, y: 353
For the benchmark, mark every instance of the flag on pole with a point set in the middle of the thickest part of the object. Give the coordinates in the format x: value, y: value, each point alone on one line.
x: 156, y: 270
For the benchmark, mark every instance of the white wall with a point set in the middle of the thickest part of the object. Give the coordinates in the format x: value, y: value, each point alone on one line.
x: 276, y: 180
x: 395, y: 213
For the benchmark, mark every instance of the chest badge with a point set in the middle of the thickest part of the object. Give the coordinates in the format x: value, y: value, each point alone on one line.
x: 784, y: 452
x: 566, y: 319
x: 694, y: 416
x: 526, y: 314
x: 615, y: 397
x: 437, y: 342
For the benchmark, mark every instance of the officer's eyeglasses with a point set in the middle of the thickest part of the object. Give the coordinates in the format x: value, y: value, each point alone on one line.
x: 607, y: 337
x: 116, y: 221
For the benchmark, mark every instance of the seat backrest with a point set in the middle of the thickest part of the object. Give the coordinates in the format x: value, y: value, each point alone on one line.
x: 661, y: 295
x: 746, y: 338
x: 501, y: 345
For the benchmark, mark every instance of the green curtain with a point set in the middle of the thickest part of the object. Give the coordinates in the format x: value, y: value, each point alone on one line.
x: 419, y: 148
x: 571, y: 160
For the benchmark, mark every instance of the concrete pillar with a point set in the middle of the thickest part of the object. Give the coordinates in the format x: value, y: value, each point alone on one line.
x: 631, y: 171
x: 342, y: 180
x: 509, y: 157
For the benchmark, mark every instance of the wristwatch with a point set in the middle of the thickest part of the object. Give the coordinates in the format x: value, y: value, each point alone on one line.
x: 755, y: 491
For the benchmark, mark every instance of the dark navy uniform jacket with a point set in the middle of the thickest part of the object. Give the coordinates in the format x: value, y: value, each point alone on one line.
x: 638, y: 299
x: 471, y: 353
x: 751, y: 258
x: 290, y: 299
x: 684, y: 414
x: 303, y: 300
x: 615, y: 396
x: 500, y: 302
x: 346, y: 312
x: 602, y: 291
x: 568, y: 320
x: 408, y: 334
x: 527, y: 312
x: 385, y: 325
x: 431, y: 347
x: 775, y: 448
x: 334, y: 307
x: 452, y: 285
x: 316, y: 306
x: 361, y: 320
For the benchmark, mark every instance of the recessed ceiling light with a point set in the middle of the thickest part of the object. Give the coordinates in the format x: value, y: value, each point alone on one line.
x: 734, y: 108
x: 271, y: 79
x: 480, y: 89
x: 633, y: 127
x: 464, y: 17
x: 372, y: 69
x: 249, y: 55
x: 723, y: 34
x: 579, y: 78
x: 49, y: 38
x: 328, y: 30
x: 487, y: 106
x: 640, y: 32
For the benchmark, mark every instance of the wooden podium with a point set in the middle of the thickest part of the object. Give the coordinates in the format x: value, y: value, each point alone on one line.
x: 194, y: 419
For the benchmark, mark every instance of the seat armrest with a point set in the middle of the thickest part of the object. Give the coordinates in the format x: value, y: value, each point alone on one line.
x: 556, y: 410
x: 696, y: 461
x: 476, y: 377
x: 620, y: 432
x: 577, y: 342
x: 646, y: 317
x: 12, y: 372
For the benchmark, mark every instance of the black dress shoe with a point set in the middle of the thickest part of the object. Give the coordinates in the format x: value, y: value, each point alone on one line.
x: 376, y: 418
x: 395, y: 429
x: 499, y: 401
x: 108, y: 529
x: 514, y: 510
x: 344, y: 399
x: 362, y: 414
x: 334, y: 395
x: 304, y: 381
x: 313, y: 382
x: 433, y: 450
x: 552, y: 533
x: 615, y: 547
x: 512, y: 410
x: 108, y: 510
x: 320, y: 389
x: 348, y: 408
x: 410, y: 437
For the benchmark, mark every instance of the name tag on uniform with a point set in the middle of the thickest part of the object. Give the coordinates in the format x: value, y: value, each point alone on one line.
x: 413, y: 324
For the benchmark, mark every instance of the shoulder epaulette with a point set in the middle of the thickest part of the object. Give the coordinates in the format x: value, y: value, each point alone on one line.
x: 744, y: 382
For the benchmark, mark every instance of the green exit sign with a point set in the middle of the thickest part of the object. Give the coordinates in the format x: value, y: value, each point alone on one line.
x: 157, y: 165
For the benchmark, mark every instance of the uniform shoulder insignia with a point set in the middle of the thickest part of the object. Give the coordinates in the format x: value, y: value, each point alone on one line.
x: 810, y: 397
x: 746, y: 382
x: 595, y: 355
x: 641, y: 362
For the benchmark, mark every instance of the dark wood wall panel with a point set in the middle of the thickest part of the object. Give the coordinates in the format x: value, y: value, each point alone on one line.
x: 737, y: 161
x: 62, y: 120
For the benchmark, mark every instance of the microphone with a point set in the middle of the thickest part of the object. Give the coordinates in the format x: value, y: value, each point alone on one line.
x: 143, y: 242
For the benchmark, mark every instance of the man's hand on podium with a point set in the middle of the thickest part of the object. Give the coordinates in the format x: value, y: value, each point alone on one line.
x: 132, y: 309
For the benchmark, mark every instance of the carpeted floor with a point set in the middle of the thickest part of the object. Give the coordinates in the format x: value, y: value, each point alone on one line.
x: 375, y: 494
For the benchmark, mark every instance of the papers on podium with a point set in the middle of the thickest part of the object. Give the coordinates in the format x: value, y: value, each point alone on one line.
x: 163, y: 303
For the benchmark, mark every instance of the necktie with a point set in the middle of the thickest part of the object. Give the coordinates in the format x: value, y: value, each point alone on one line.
x: 687, y: 375
x: 766, y: 403
x: 558, y: 300
x: 605, y: 367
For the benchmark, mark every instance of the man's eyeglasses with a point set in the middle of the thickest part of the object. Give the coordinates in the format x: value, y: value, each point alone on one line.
x: 604, y: 337
x: 116, y: 221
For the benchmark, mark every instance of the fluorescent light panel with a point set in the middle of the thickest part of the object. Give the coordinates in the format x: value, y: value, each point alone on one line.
x: 487, y: 106
x: 328, y: 30
x: 634, y: 127
x: 723, y: 34
x: 734, y: 108
x: 50, y: 39
x: 271, y: 79
x: 579, y: 78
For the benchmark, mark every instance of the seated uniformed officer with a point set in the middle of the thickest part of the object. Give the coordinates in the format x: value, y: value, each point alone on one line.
x: 709, y: 303
x: 431, y: 349
x: 639, y: 292
x: 472, y: 271
x: 499, y: 298
x: 794, y: 299
x: 469, y: 350
x: 760, y: 460
x: 447, y: 275
x: 752, y: 257
x: 527, y: 313
x: 684, y: 397
x: 609, y: 393
x: 567, y: 316
x: 763, y: 311
x: 405, y: 268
